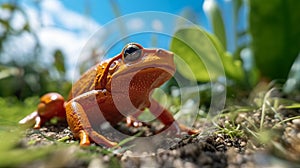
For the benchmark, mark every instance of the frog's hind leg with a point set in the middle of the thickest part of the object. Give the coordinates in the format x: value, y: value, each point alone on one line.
x: 51, y: 105
x: 168, y: 120
x: 80, y: 126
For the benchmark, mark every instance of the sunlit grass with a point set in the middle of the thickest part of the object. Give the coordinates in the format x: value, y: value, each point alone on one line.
x: 12, y: 110
x: 13, y: 154
x: 11, y: 151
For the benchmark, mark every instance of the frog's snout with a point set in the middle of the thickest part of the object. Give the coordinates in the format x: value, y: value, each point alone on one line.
x: 164, y: 53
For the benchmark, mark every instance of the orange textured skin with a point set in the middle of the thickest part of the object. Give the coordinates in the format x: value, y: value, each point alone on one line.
x: 110, y: 92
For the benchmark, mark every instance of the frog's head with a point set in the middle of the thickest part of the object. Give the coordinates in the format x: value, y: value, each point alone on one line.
x: 138, y: 70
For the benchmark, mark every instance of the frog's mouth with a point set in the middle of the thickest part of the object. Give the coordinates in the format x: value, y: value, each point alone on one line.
x: 160, y: 67
x: 144, y: 78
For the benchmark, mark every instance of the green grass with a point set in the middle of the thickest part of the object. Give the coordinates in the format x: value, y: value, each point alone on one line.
x: 13, y: 154
x: 12, y: 110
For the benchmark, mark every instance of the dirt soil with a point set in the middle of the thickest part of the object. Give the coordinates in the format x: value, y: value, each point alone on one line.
x: 216, y: 146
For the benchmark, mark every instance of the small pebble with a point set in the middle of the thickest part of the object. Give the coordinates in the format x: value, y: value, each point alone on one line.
x: 124, y: 158
x: 288, y: 129
x: 96, y: 163
x: 106, y: 158
x: 219, y: 139
x: 174, y: 152
x: 296, y: 122
x: 243, y: 144
x: 236, y: 149
x: 178, y: 163
x: 220, y: 147
x: 189, y: 165
x: 160, y: 150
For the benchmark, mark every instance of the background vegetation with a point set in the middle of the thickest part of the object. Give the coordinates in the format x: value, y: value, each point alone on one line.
x: 266, y: 52
x: 265, y: 49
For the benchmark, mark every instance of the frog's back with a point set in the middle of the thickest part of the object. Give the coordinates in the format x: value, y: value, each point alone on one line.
x: 86, y: 82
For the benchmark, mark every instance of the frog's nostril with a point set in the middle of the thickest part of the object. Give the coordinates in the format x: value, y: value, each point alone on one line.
x: 161, y: 52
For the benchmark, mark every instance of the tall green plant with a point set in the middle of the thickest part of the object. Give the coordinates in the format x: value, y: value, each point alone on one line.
x: 205, y: 55
x: 275, y: 30
x: 26, y: 77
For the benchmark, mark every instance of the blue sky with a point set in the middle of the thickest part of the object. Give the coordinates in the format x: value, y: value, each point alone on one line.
x: 102, y: 11
x: 78, y: 27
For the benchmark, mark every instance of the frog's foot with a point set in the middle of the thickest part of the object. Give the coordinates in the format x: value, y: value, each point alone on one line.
x: 176, y: 128
x: 85, y: 138
x: 171, y: 125
x: 32, y: 119
x: 133, y: 122
x: 188, y: 130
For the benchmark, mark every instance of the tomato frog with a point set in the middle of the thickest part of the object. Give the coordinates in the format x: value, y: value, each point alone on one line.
x: 115, y: 90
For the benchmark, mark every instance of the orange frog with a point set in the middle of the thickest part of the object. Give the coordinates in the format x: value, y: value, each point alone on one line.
x: 111, y: 91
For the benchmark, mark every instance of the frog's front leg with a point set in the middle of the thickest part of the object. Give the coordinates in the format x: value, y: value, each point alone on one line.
x: 168, y: 120
x: 79, y: 122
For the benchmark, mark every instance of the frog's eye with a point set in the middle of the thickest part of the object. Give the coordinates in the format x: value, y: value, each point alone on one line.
x: 132, y: 52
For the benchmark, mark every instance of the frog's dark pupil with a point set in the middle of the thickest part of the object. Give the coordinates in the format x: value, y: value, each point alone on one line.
x: 130, y: 50
x: 132, y: 53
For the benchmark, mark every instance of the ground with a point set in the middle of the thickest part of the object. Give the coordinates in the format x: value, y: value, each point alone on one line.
x: 264, y: 134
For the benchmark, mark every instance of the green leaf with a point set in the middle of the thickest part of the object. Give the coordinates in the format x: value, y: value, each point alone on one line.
x: 233, y: 68
x: 59, y: 61
x: 204, y: 55
x: 275, y: 30
x: 294, y: 106
x: 9, y: 6
x: 213, y: 11
x: 6, y: 71
x: 293, y: 81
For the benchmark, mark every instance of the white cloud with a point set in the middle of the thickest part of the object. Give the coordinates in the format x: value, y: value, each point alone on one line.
x: 17, y: 48
x: 135, y: 24
x: 52, y: 6
x: 57, y: 28
x: 19, y: 21
x: 65, y: 30
x: 68, y: 19
x: 53, y: 38
x: 157, y: 25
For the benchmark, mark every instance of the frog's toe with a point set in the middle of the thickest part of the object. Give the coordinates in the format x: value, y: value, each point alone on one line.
x: 176, y: 128
x: 29, y: 119
x: 188, y: 130
x: 101, y: 140
x: 84, y: 138
x: 133, y: 122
